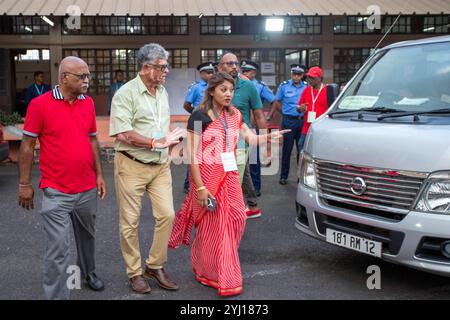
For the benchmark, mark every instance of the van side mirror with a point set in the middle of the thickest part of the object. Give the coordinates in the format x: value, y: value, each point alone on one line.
x: 332, y: 93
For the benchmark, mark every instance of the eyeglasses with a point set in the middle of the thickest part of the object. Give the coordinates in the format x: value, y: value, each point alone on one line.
x: 160, y: 67
x: 80, y: 76
x: 231, y: 63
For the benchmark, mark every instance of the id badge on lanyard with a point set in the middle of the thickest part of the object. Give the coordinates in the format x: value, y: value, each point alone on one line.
x: 228, y: 158
x: 228, y: 161
x: 312, y: 115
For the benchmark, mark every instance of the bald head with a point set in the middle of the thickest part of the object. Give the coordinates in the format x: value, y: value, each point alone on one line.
x: 229, y: 64
x: 74, y: 75
x: 72, y: 64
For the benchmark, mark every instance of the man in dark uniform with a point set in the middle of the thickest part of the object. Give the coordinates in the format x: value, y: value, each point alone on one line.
x: 37, y: 88
x: 194, y: 96
x: 287, y: 97
x: 249, y: 69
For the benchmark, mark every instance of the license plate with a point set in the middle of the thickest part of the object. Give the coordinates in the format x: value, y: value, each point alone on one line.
x: 356, y: 243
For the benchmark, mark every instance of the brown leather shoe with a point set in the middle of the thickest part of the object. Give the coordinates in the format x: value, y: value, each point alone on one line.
x: 140, y: 285
x: 161, y: 277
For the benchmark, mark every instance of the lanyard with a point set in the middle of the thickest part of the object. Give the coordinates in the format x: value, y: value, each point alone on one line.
x: 315, y: 99
x: 39, y: 91
x: 224, y: 125
x: 156, y: 115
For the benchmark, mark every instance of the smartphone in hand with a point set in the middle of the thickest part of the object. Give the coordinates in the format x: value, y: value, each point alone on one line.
x: 212, y: 204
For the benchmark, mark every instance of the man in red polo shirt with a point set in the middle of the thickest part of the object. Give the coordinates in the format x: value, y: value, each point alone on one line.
x: 63, y: 120
x: 313, y: 101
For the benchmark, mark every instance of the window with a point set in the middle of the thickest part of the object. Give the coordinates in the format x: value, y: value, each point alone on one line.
x: 179, y: 58
x: 412, y: 24
x: 257, y: 55
x: 215, y: 25
x: 403, y: 24
x: 256, y: 25
x: 347, y: 61
x: 34, y: 55
x: 353, y: 25
x: 103, y: 62
x: 436, y: 24
x: 23, y: 25
x: 45, y: 54
x: 211, y: 54
x: 125, y: 25
x: 314, y: 57
x: 166, y: 25
x: 303, y: 25
x: 6, y: 24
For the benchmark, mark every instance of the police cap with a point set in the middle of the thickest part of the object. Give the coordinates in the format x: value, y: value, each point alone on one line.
x: 206, y: 66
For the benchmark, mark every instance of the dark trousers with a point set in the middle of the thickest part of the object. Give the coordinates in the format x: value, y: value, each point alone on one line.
x: 301, y: 143
x: 255, y: 170
x: 289, y: 139
x: 248, y: 188
x: 186, y: 180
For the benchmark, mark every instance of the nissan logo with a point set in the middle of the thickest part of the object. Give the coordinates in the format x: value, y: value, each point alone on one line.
x: 358, y: 186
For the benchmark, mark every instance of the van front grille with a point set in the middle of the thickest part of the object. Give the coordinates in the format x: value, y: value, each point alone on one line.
x: 381, y: 189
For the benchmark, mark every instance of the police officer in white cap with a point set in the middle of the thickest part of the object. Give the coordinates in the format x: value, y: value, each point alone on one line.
x: 287, y: 97
x: 195, y: 93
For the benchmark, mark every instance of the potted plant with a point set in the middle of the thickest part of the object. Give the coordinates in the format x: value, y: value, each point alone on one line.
x: 10, y: 122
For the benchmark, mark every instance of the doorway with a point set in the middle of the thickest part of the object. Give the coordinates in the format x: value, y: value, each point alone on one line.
x: 25, y: 63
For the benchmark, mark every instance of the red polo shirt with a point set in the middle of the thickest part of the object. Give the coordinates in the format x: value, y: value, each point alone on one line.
x: 320, y: 107
x: 64, y: 131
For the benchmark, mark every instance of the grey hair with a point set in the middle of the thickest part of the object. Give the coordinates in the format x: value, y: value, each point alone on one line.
x: 149, y: 54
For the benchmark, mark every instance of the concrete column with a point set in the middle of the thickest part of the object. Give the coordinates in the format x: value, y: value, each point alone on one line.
x: 55, y: 41
x: 194, y: 40
x: 328, y: 48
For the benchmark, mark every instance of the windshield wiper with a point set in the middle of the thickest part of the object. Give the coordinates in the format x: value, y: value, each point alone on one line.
x: 376, y: 109
x: 415, y: 114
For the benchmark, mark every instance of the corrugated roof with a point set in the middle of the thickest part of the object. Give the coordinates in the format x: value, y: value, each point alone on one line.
x: 221, y: 7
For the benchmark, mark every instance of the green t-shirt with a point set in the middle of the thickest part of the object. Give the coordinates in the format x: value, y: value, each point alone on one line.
x: 245, y: 99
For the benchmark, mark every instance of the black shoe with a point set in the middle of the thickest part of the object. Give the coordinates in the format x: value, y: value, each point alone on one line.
x: 94, y: 282
x: 258, y: 193
x: 283, y: 182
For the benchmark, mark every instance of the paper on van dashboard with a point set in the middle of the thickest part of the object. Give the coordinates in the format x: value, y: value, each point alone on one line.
x: 445, y: 98
x: 358, y: 102
x: 412, y: 102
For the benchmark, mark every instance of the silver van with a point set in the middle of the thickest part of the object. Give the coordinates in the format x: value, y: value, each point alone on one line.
x: 375, y: 169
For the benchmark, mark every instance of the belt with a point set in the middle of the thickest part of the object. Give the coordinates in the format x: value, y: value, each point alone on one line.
x: 129, y: 156
x: 293, y: 117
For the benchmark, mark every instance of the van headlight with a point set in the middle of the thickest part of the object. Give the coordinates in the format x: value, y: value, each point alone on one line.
x: 307, y: 174
x: 435, y: 197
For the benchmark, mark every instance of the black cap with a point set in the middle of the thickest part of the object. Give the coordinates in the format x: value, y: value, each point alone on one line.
x: 247, y: 65
x: 297, y: 68
x: 206, y: 66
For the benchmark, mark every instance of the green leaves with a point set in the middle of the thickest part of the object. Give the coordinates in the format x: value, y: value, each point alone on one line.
x: 10, y: 119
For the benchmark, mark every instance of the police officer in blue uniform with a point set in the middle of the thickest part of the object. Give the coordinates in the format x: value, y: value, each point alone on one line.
x: 195, y: 95
x: 249, y: 69
x: 287, y: 98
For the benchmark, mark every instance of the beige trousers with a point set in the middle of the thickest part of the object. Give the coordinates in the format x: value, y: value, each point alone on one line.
x: 132, y: 180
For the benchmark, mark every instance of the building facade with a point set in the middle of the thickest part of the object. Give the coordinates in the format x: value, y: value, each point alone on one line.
x: 338, y: 43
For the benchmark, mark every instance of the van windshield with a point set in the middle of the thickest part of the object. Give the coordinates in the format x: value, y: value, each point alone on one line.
x: 414, y: 78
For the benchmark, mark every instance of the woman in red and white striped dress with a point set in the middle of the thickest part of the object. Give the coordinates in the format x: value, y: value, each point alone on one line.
x: 213, y: 134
